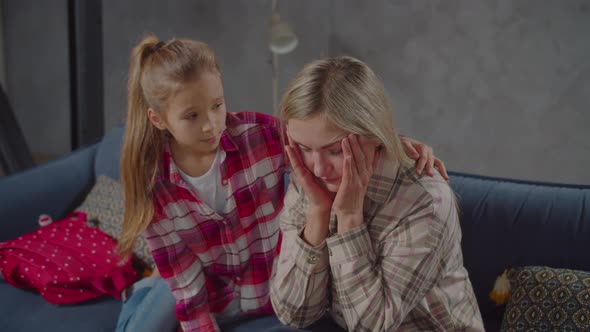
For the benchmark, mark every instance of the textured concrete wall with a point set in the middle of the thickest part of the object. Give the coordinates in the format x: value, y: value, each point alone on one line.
x: 237, y: 30
x: 37, y: 76
x: 498, y: 87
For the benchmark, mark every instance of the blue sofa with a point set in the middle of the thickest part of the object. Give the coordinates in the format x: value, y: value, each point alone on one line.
x: 504, y: 222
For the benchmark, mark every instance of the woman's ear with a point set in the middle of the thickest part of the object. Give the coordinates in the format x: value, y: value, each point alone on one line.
x: 156, y: 119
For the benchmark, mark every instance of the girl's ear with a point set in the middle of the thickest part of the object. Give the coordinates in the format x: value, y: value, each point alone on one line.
x: 156, y: 119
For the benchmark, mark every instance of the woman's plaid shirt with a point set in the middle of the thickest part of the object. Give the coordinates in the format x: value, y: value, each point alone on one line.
x: 402, y: 270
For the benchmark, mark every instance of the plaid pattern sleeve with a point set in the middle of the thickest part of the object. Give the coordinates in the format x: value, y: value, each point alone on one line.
x: 378, y: 294
x: 184, y: 274
x: 400, y: 270
x: 210, y: 258
x: 299, y: 291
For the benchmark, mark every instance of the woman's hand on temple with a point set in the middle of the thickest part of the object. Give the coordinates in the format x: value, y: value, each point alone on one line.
x: 424, y: 157
x: 358, y: 167
x: 320, y: 199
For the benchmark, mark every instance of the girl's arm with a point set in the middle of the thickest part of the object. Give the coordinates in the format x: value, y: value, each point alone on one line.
x: 183, y: 272
x: 378, y: 284
x: 299, y: 288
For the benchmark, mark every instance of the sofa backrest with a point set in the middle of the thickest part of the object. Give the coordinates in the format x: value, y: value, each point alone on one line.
x: 109, y: 154
x: 509, y: 223
x: 504, y: 222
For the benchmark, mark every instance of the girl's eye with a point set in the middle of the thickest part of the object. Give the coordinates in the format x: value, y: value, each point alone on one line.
x: 217, y: 106
x: 191, y: 116
x: 336, y: 152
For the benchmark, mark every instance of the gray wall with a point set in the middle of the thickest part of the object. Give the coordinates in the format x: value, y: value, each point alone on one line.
x: 2, y: 62
x: 500, y: 88
x: 37, y: 76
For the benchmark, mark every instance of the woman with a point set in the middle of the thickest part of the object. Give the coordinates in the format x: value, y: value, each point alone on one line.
x: 367, y: 241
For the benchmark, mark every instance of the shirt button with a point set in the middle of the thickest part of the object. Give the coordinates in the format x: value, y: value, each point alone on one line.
x: 224, y: 182
x: 238, y: 278
x: 312, y: 259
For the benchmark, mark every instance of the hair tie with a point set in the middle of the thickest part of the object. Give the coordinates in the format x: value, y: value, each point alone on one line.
x: 157, y: 46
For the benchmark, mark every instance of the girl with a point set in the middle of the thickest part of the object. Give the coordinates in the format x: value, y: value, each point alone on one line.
x: 366, y: 241
x: 204, y: 185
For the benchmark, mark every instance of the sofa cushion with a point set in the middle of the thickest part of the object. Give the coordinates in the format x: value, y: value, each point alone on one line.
x: 24, y: 311
x: 548, y: 299
x: 104, y: 207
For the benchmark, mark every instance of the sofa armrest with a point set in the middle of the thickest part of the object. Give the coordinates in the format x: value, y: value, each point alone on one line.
x: 54, y: 188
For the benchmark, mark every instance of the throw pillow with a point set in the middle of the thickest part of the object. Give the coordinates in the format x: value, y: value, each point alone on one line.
x: 104, y: 207
x: 547, y: 299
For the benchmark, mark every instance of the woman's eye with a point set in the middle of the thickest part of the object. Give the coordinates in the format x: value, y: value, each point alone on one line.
x: 191, y: 116
x: 217, y: 106
x: 336, y: 152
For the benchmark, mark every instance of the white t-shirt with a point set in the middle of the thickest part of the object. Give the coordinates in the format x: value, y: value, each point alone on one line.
x: 209, y: 189
x: 208, y: 186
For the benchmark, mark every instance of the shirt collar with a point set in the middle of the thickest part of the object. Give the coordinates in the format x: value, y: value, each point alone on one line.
x: 227, y: 142
x: 170, y: 168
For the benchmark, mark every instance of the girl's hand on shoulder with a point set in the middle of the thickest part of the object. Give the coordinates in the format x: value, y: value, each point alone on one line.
x: 320, y: 199
x: 358, y: 167
x: 424, y: 156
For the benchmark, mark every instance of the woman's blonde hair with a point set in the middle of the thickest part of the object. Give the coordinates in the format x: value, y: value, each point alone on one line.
x: 349, y: 94
x: 157, y: 72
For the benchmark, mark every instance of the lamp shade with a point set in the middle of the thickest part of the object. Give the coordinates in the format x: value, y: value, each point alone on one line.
x: 282, y: 38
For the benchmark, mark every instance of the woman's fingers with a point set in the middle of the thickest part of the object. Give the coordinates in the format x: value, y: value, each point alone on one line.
x: 349, y: 158
x: 430, y: 163
x: 296, y: 164
x: 347, y: 171
x: 409, y: 149
x: 367, y: 149
x: 440, y: 165
x: 293, y: 159
x: 363, y: 153
x: 358, y: 156
x: 421, y: 163
x: 306, y: 179
x: 370, y: 148
x: 357, y: 151
x: 294, y: 156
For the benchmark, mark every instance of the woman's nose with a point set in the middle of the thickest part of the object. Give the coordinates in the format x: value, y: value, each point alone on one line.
x: 320, y: 166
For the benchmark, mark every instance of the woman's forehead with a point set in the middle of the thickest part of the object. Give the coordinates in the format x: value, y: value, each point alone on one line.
x: 316, y: 132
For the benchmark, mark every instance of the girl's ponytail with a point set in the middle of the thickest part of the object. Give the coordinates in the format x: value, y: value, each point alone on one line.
x: 140, y: 155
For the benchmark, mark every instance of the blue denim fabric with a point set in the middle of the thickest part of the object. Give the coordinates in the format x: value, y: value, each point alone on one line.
x: 149, y: 308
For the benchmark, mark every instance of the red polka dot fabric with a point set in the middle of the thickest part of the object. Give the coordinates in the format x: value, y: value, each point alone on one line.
x: 67, y: 262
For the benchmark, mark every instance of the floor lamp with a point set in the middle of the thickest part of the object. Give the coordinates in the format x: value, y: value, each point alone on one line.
x: 282, y: 41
